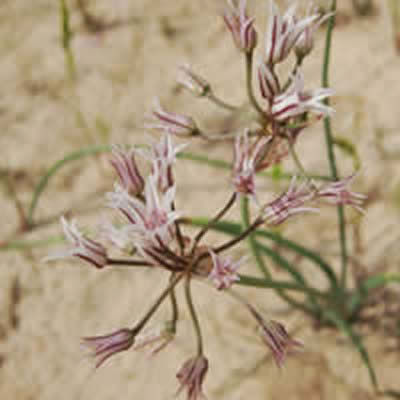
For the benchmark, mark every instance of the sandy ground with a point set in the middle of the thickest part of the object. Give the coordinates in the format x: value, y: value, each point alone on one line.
x: 46, y: 308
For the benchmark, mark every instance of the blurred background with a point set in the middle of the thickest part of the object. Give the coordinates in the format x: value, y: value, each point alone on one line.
x: 119, y: 57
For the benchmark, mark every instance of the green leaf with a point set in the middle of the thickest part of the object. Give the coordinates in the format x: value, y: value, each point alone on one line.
x: 266, y: 283
x: 29, y: 244
x: 374, y: 282
x: 41, y: 186
x: 357, y: 342
x: 233, y: 228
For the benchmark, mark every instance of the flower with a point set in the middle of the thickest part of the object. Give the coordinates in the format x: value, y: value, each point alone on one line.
x: 125, y: 165
x: 241, y: 26
x: 268, y: 82
x: 224, y: 272
x: 305, y: 43
x: 150, y: 219
x: 276, y: 337
x: 283, y: 33
x: 103, y: 347
x: 338, y: 193
x: 176, y: 124
x: 118, y: 236
x: 191, y: 377
x: 193, y: 82
x: 288, y: 204
x: 246, y: 159
x: 163, y: 155
x: 82, y: 247
x: 296, y: 100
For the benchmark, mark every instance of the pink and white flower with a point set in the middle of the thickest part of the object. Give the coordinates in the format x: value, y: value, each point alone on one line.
x: 283, y: 33
x: 241, y: 26
x: 224, y: 273
x: 87, y: 249
x: 276, y: 337
x: 173, y: 123
x: 288, y: 204
x: 124, y: 164
x: 163, y: 156
x: 305, y: 43
x: 193, y: 82
x: 296, y: 100
x: 339, y: 193
x: 268, y: 82
x: 247, y: 157
x: 191, y: 377
x: 103, y: 347
x: 150, y: 219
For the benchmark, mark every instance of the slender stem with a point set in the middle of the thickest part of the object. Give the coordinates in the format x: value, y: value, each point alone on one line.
x: 220, y: 103
x: 139, y: 325
x: 212, y: 221
x: 256, y: 251
x: 246, y: 280
x: 166, y: 251
x: 179, y: 233
x: 128, y: 263
x: 219, y: 137
x: 193, y: 315
x: 249, y: 83
x: 240, y: 237
x: 174, y: 304
x: 251, y: 239
x: 299, y: 62
x: 297, y: 161
x: 330, y: 145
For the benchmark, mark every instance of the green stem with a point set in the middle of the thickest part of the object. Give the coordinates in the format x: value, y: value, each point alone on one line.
x: 220, y: 103
x: 139, y: 325
x: 246, y: 280
x: 245, y: 211
x: 330, y: 147
x: 59, y: 164
x: 249, y: 83
x: 192, y: 311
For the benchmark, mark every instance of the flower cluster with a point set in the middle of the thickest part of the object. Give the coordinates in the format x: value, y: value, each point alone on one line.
x: 150, y: 229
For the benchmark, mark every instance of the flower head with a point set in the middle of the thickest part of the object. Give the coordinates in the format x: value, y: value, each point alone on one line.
x: 241, y: 26
x: 247, y: 157
x: 268, y: 82
x: 305, y: 43
x: 191, y: 377
x: 82, y: 247
x: 150, y: 219
x: 163, y: 156
x: 276, y: 337
x: 103, y: 347
x: 296, y: 100
x: 224, y: 272
x: 288, y: 204
x: 173, y: 123
x: 283, y: 33
x: 125, y: 165
x: 339, y: 193
x: 193, y: 82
